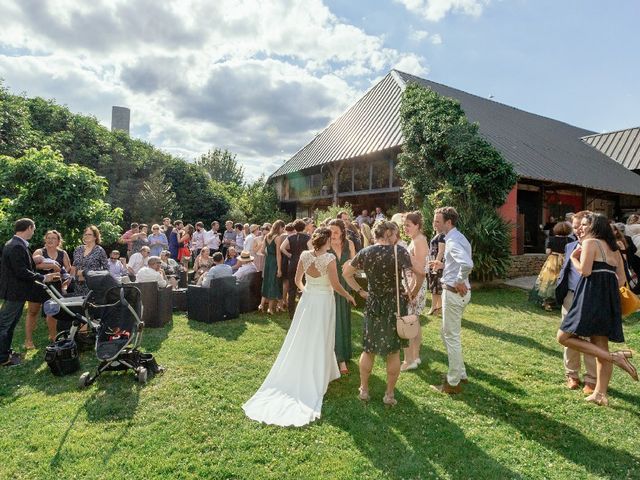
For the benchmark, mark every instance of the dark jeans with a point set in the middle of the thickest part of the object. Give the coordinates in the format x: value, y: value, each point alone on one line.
x: 10, y: 314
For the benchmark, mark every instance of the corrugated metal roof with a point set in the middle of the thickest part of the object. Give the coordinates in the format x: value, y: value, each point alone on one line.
x: 539, y: 148
x: 622, y: 145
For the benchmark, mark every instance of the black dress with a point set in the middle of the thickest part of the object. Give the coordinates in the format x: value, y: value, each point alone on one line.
x: 596, y: 305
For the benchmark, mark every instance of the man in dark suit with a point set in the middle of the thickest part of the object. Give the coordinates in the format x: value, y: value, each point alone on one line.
x: 17, y: 277
x: 564, y: 296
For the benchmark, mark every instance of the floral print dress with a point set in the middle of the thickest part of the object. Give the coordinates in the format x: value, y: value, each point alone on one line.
x: 95, y: 260
x: 377, y: 261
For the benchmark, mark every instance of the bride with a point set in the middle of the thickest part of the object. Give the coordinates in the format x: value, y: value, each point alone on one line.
x: 293, y: 390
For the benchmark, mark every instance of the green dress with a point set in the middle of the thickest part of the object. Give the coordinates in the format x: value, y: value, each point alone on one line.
x: 271, y: 286
x: 343, y: 313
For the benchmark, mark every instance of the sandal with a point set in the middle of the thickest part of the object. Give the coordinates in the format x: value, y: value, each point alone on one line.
x: 363, y: 394
x: 620, y: 359
x: 29, y: 346
x: 389, y: 400
x: 598, y: 398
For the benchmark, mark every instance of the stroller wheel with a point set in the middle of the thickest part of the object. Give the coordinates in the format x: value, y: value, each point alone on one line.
x: 141, y: 375
x: 83, y: 381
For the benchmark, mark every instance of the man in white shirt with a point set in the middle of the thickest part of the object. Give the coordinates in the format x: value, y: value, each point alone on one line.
x: 197, y: 239
x: 212, y: 238
x: 218, y: 270
x: 152, y: 273
x: 379, y: 215
x: 138, y: 260
x: 247, y: 267
x: 456, y: 293
x: 251, y: 238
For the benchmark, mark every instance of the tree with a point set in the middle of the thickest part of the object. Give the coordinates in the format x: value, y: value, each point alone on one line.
x: 443, y: 150
x: 222, y: 166
x: 157, y: 200
x: 16, y: 134
x: 195, y: 193
x: 39, y: 185
x: 445, y: 161
x: 259, y: 202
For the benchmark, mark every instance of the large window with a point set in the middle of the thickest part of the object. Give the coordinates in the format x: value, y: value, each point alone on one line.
x: 345, y: 178
x: 361, y: 176
x: 380, y: 174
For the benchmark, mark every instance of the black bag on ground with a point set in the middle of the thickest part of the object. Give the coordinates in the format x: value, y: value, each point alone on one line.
x: 62, y: 357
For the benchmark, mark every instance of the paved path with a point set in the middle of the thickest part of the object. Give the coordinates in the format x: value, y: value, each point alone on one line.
x: 526, y: 283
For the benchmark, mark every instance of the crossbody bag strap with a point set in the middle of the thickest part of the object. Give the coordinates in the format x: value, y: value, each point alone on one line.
x: 395, y: 255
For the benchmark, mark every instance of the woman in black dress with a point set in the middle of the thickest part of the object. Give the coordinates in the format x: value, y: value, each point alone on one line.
x: 436, y: 252
x: 56, y: 260
x: 595, y: 311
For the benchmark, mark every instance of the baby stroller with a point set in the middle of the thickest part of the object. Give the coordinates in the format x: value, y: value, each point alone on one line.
x: 111, y: 311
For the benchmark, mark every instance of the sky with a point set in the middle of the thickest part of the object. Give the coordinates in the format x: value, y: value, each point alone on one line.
x: 261, y: 78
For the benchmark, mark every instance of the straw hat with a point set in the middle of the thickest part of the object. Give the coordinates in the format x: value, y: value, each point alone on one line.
x: 245, y: 256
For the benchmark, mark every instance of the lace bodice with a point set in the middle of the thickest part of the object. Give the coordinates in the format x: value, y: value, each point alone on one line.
x: 321, y: 262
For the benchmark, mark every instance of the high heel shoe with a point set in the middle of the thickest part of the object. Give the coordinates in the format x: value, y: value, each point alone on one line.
x: 626, y: 353
x: 261, y: 308
x: 620, y: 359
x: 598, y: 398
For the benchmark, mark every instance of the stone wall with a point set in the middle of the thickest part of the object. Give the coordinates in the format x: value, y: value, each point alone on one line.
x: 526, y: 265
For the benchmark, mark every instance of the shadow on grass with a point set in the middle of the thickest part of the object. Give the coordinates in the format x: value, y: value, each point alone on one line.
x: 602, y: 460
x: 510, y: 337
x: 395, y: 444
x: 231, y: 330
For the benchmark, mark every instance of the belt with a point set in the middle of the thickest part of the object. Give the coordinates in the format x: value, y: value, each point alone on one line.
x: 451, y: 289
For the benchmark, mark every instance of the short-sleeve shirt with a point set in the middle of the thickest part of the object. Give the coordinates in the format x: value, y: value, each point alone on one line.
x: 378, y: 264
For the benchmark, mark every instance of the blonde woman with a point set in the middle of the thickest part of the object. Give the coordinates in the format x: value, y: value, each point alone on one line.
x: 419, y: 250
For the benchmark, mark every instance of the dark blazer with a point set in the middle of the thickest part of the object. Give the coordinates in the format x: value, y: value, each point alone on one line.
x: 18, y: 273
x: 562, y: 285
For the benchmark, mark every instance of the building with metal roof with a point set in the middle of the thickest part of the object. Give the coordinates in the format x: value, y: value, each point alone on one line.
x: 622, y: 145
x: 353, y: 160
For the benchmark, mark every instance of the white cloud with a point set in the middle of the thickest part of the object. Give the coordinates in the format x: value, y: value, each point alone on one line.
x: 259, y: 78
x: 436, y: 39
x: 418, y: 35
x: 436, y: 10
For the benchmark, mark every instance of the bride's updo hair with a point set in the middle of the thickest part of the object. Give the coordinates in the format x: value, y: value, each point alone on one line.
x: 320, y: 237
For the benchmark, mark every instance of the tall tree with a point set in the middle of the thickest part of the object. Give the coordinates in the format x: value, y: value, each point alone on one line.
x: 195, y: 194
x: 445, y: 161
x: 39, y: 185
x: 157, y: 200
x: 222, y: 166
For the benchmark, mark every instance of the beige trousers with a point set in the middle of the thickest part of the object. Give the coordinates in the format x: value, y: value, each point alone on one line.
x: 572, y: 357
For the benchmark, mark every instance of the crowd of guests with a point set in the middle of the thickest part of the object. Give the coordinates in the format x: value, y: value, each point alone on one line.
x: 589, y: 259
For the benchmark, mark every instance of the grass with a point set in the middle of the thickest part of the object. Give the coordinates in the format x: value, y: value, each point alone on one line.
x: 514, y: 420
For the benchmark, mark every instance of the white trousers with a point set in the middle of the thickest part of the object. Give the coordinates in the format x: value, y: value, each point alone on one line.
x: 453, y: 306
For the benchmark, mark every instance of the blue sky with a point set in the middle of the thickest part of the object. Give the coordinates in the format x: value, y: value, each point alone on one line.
x: 261, y: 78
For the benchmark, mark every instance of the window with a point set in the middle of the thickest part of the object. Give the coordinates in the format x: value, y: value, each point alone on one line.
x: 345, y: 178
x: 361, y: 176
x: 380, y: 173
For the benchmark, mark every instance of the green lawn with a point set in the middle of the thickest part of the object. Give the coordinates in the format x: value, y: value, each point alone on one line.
x: 514, y: 420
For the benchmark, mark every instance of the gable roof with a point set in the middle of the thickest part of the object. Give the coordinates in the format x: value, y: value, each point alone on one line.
x: 622, y: 145
x: 539, y: 148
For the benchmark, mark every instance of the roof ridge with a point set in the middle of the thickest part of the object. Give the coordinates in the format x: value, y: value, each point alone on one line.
x: 490, y: 100
x: 609, y: 133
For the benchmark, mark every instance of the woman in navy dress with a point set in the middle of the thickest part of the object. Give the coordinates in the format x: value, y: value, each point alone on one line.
x: 595, y: 311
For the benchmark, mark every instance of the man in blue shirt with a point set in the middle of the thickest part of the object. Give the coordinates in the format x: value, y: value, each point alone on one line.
x: 572, y: 357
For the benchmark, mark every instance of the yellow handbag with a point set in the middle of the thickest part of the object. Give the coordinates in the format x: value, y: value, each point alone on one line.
x: 629, y: 301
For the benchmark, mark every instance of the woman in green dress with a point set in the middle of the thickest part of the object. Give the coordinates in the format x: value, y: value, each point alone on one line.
x: 344, y: 250
x: 271, y: 286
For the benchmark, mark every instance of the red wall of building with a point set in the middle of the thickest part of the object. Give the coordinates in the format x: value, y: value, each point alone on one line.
x: 509, y: 211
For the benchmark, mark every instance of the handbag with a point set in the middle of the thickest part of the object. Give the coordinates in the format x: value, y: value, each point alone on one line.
x: 407, y: 326
x: 629, y: 301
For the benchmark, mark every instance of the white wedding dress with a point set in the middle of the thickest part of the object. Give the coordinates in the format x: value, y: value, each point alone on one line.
x: 292, y: 392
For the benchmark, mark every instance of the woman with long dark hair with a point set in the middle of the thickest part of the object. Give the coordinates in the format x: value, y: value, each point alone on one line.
x: 595, y: 311
x: 271, y: 285
x: 344, y: 250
